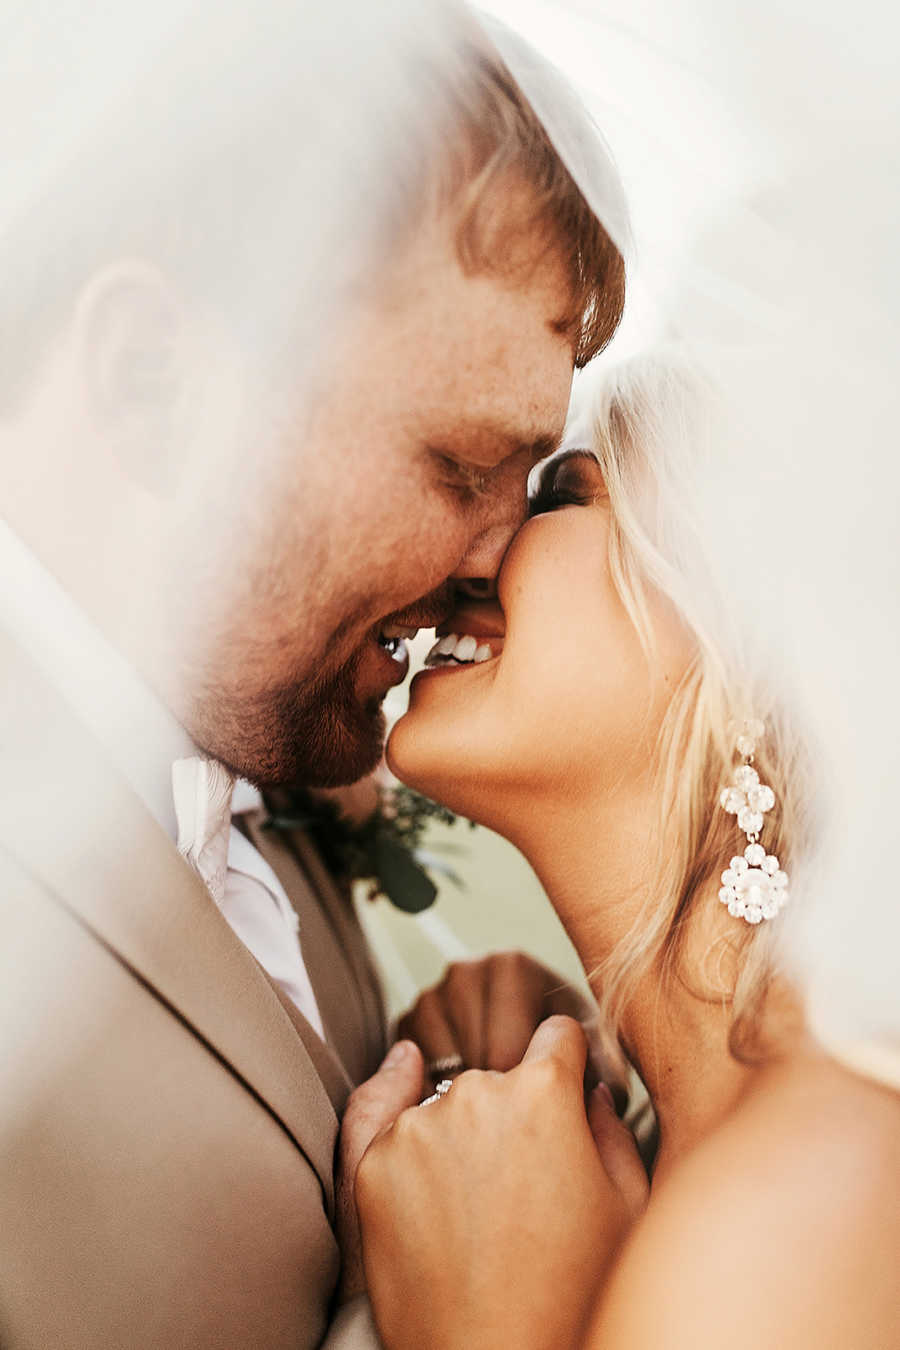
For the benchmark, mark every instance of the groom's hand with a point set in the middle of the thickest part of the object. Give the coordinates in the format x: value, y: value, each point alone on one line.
x: 485, y: 1012
x: 372, y: 1108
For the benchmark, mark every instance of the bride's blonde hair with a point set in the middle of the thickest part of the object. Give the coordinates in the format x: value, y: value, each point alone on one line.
x: 653, y: 426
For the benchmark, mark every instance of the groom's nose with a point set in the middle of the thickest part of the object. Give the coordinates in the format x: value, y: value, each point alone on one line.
x: 504, y: 515
x: 477, y: 572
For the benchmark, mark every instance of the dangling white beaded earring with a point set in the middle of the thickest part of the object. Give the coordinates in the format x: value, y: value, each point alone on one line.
x: 753, y: 886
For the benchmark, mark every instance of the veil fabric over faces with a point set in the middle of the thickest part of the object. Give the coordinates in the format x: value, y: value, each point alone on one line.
x: 238, y: 144
x: 752, y: 182
x: 759, y: 148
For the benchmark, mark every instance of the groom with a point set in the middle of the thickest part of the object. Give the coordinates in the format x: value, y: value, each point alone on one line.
x: 210, y: 562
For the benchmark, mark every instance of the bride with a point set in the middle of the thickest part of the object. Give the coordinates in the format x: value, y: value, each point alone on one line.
x: 590, y: 717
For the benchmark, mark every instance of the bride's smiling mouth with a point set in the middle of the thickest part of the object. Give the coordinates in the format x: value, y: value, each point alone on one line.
x: 472, y: 636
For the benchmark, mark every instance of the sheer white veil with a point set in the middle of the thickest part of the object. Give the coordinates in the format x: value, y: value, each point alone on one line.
x: 759, y: 146
x: 296, y: 124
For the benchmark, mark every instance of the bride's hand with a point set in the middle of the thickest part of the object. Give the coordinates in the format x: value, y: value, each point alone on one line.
x: 489, y: 1217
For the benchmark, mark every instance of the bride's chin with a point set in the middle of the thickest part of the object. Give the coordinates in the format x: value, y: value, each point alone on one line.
x: 394, y: 762
x: 401, y: 757
x: 423, y: 768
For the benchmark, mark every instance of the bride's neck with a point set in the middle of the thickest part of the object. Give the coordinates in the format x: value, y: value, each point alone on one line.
x: 593, y: 858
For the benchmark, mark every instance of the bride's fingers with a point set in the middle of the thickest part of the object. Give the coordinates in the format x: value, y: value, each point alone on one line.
x: 618, y: 1151
x: 371, y: 1110
x: 375, y: 1104
x: 560, y: 1040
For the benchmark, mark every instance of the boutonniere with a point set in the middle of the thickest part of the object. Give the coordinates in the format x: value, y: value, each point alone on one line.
x: 384, y: 850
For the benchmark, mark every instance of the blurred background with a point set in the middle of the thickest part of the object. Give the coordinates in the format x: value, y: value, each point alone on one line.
x: 501, y: 905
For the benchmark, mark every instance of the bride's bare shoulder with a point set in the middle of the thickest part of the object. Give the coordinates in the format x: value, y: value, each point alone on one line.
x: 780, y: 1229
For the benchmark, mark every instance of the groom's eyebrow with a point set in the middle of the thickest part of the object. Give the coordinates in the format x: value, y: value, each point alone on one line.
x: 499, y: 442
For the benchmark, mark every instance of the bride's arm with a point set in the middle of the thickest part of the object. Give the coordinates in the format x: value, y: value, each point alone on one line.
x: 781, y: 1231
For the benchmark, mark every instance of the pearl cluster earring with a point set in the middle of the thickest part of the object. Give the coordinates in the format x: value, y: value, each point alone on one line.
x: 753, y: 886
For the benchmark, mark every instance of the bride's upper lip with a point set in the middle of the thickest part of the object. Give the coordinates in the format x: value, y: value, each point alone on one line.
x: 483, y: 619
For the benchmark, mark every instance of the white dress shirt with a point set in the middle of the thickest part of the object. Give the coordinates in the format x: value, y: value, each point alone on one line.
x: 191, y: 797
x: 237, y: 876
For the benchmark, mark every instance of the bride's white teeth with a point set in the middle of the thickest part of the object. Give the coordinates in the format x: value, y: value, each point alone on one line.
x: 434, y: 656
x: 458, y: 650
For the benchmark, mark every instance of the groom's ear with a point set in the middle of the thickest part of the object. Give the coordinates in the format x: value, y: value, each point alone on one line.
x: 130, y: 329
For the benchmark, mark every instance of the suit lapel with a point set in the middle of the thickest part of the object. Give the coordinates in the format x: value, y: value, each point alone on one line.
x: 69, y: 819
x: 334, y: 1076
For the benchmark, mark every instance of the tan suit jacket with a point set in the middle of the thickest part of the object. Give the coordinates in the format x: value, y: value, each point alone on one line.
x: 167, y: 1120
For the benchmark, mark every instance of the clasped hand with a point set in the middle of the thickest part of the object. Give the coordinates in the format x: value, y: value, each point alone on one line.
x: 484, y: 1012
x: 489, y: 1218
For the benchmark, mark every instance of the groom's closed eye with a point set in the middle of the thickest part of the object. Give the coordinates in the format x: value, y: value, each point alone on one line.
x: 475, y: 470
x: 468, y: 481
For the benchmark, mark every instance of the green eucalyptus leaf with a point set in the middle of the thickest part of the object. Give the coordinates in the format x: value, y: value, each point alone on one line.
x: 403, y: 881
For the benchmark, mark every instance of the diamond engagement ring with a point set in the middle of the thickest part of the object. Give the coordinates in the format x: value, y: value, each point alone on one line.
x: 448, y: 1064
x: 441, y: 1090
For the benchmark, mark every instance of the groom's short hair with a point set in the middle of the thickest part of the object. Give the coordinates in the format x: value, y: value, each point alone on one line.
x: 502, y: 140
x: 119, y: 198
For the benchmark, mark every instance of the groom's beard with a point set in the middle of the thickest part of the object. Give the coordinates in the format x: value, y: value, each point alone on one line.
x: 318, y: 734
x: 327, y: 737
